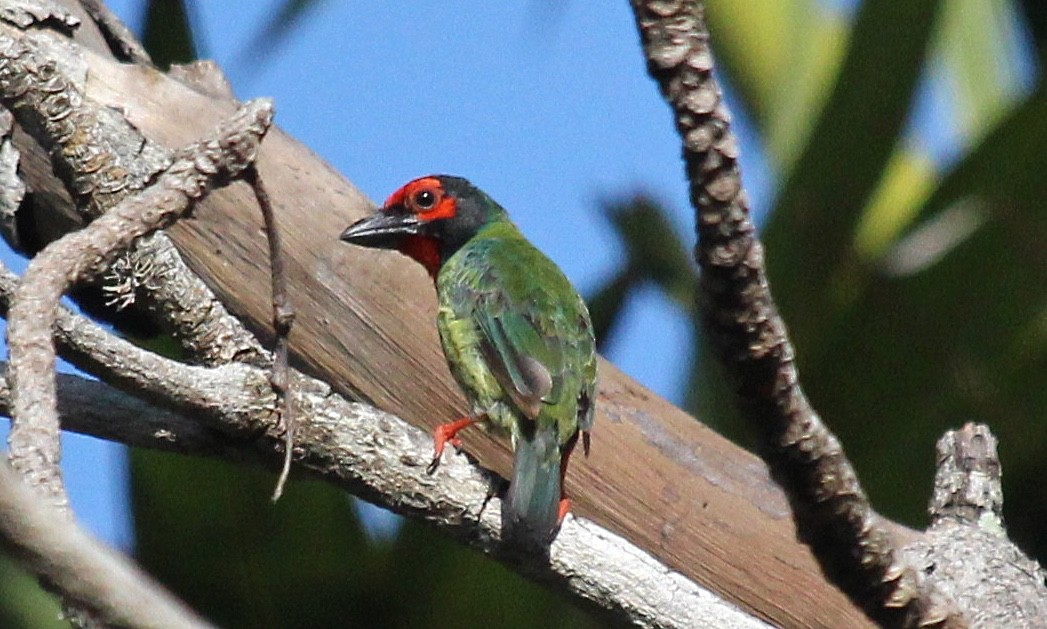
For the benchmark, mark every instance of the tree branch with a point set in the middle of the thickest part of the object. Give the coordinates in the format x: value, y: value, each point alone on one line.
x: 966, y: 547
x: 102, y: 160
x: 96, y: 409
x: 383, y: 459
x: 364, y: 323
x: 81, y: 255
x: 854, y: 545
x: 226, y: 411
x: 96, y: 578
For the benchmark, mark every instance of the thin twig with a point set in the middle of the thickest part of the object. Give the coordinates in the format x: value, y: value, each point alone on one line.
x: 834, y: 516
x: 283, y: 318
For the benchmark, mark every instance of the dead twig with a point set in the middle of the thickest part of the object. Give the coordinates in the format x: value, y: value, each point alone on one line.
x: 283, y: 318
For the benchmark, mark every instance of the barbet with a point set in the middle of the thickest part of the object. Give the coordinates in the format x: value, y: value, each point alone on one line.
x: 516, y: 335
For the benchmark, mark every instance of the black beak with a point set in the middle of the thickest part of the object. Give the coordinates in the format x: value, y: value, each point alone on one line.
x: 382, y: 230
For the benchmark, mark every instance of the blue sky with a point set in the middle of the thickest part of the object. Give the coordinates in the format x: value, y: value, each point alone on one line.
x: 545, y: 105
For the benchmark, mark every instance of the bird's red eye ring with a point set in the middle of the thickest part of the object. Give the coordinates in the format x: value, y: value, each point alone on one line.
x: 425, y: 199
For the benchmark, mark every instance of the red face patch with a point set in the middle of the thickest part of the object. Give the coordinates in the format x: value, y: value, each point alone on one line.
x: 425, y: 198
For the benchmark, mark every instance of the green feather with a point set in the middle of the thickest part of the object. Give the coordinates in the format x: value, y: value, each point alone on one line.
x: 519, y: 341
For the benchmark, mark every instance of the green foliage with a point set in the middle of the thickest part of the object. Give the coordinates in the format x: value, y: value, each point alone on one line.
x: 23, y: 604
x: 915, y: 294
x: 209, y: 532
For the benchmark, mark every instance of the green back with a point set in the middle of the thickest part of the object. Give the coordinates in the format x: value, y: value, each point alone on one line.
x: 516, y: 334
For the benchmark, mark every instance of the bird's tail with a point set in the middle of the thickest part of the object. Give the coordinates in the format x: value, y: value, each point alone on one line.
x: 530, y: 511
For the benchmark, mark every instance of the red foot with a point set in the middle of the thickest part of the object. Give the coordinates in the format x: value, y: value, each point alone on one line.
x: 565, y: 506
x: 447, y: 433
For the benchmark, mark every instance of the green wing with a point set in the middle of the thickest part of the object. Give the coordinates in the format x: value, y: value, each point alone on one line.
x: 532, y: 330
x: 528, y: 365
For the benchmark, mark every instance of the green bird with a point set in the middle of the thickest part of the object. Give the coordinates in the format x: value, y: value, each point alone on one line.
x: 516, y: 335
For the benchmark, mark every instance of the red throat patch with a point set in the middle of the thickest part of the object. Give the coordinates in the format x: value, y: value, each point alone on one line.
x: 425, y: 250
x: 425, y: 198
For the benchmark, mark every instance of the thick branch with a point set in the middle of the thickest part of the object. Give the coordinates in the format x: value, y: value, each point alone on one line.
x: 854, y: 546
x: 372, y: 454
x: 365, y: 324
x: 383, y: 459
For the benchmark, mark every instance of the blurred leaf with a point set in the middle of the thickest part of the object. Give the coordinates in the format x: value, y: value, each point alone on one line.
x: 167, y: 34
x: 438, y: 583
x: 804, y: 88
x: 781, y: 57
x: 907, y: 182
x: 918, y: 348
x: 1006, y: 169
x: 208, y: 531
x: 759, y: 43
x: 606, y: 306
x: 23, y: 603
x: 1035, y: 13
x: 984, y: 78
x: 275, y: 32
x: 844, y: 161
x: 930, y: 350
x: 979, y: 310
x: 653, y: 249
x: 653, y: 252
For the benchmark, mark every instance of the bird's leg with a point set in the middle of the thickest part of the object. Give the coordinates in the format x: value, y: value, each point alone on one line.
x: 444, y: 434
x: 565, y: 508
x: 565, y: 455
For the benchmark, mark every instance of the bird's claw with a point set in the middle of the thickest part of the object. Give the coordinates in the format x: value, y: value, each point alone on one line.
x: 446, y: 434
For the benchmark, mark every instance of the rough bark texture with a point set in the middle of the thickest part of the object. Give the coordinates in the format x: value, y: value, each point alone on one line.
x: 857, y: 548
x: 365, y: 324
x: 966, y: 547
x: 852, y: 543
x: 685, y: 499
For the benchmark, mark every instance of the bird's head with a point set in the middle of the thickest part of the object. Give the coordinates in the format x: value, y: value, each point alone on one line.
x: 427, y: 219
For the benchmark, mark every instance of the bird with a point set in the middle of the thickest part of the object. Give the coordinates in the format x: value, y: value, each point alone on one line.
x: 516, y: 334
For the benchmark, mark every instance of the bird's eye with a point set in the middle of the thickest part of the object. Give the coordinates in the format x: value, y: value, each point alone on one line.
x: 424, y: 199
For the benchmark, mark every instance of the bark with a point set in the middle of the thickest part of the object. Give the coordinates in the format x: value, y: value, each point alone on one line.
x: 365, y: 324
x: 657, y: 534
